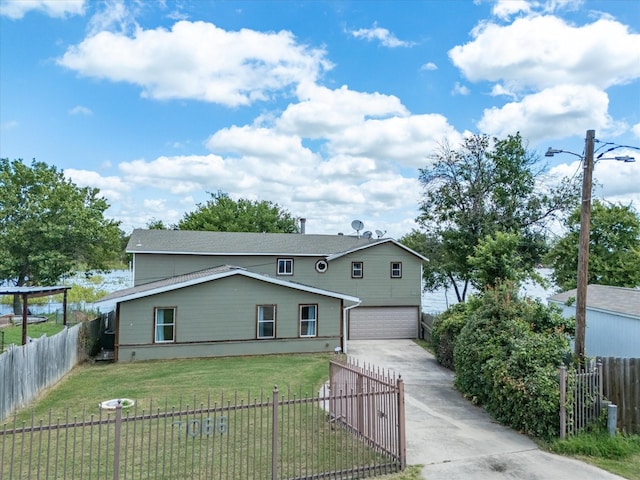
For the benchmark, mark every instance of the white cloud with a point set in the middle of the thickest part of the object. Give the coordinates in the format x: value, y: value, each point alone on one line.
x: 17, y: 9
x: 197, y: 60
x: 569, y: 108
x: 384, y: 36
x: 505, y: 9
x: 544, y: 51
x: 112, y: 187
x: 80, y: 110
x: 499, y: 90
x: 429, y: 66
x: 459, y: 89
x: 322, y: 112
x: 636, y: 130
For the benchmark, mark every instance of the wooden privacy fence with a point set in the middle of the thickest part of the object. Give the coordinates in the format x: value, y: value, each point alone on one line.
x: 273, y: 436
x: 621, y: 386
x: 26, y: 370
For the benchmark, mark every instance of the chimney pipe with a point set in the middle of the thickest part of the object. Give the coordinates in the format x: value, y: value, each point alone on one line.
x: 303, y: 222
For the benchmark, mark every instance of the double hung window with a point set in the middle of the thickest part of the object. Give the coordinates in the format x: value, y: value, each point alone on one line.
x: 308, y: 320
x: 266, y: 321
x: 357, y: 270
x: 396, y: 269
x: 165, y: 325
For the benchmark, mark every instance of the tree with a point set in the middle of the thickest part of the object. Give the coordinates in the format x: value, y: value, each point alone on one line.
x: 496, y: 260
x: 485, y: 186
x: 50, y: 227
x: 614, y: 248
x: 223, y: 214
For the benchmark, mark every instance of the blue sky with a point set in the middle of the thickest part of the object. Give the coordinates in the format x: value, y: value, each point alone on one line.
x: 328, y: 108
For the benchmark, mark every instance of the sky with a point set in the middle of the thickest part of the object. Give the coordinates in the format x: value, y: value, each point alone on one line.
x: 327, y: 108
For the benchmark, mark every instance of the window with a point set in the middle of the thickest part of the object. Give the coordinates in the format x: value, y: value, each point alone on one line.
x: 165, y: 328
x: 308, y: 320
x: 396, y: 269
x: 266, y: 321
x: 356, y: 270
x: 285, y: 266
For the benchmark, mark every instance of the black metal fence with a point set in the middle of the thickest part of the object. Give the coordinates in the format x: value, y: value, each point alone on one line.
x: 276, y: 436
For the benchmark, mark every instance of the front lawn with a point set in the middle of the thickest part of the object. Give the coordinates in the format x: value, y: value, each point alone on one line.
x: 181, y: 380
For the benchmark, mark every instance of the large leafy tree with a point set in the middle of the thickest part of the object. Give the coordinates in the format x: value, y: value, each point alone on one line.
x: 614, y: 248
x: 49, y: 226
x: 483, y: 187
x: 223, y: 214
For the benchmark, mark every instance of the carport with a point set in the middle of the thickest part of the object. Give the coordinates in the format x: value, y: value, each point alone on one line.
x: 26, y: 292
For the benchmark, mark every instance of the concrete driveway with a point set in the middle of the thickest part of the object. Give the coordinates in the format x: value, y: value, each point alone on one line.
x: 451, y: 437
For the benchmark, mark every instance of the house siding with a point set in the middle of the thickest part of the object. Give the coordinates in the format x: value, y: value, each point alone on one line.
x: 608, y: 334
x: 218, y: 318
x: 376, y: 288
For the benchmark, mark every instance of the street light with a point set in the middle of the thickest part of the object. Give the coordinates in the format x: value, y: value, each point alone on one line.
x: 583, y: 242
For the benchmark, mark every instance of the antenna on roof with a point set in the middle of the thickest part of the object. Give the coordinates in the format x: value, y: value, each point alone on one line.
x: 380, y: 233
x: 367, y: 234
x: 357, y: 225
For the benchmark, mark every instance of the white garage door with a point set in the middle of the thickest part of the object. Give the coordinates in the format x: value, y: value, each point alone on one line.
x: 370, y: 323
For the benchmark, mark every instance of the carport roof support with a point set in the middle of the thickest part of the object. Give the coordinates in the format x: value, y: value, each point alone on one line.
x: 26, y: 292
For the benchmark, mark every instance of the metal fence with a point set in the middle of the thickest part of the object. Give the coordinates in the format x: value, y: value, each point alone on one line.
x: 581, y: 398
x: 338, y: 433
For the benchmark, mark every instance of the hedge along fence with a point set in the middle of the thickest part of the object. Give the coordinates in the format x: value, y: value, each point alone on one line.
x: 28, y: 369
x: 621, y: 386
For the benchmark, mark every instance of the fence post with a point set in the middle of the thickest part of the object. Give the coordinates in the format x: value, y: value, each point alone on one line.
x: 274, y: 436
x: 402, y: 441
x: 563, y: 402
x: 116, y: 445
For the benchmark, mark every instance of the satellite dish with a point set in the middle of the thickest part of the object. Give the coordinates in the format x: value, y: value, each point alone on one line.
x: 380, y: 234
x: 357, y: 225
x: 367, y: 234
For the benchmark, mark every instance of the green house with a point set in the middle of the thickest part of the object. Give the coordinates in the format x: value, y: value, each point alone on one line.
x: 200, y: 294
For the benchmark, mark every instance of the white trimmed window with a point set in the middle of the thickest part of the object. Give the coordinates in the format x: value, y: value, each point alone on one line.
x: 396, y: 269
x: 165, y: 325
x: 308, y: 320
x: 357, y: 270
x: 266, y: 321
x: 285, y: 266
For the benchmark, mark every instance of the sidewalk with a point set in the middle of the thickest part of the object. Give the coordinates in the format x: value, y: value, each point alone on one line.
x: 453, y: 438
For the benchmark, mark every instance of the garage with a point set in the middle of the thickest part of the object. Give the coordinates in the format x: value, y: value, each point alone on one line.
x: 375, y: 323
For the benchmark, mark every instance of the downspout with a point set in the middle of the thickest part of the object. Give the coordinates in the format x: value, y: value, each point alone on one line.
x: 344, y: 325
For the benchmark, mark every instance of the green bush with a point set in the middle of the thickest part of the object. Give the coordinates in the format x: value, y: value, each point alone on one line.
x: 446, y: 328
x: 507, y: 357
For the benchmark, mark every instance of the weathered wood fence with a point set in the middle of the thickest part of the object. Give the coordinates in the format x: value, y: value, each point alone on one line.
x: 26, y: 370
x: 621, y: 386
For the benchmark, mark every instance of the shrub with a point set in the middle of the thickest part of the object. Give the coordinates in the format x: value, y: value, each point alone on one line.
x: 446, y: 328
x: 507, y: 356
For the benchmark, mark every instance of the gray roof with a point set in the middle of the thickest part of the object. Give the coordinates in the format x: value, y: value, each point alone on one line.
x: 187, y: 242
x: 625, y: 301
x: 207, y: 275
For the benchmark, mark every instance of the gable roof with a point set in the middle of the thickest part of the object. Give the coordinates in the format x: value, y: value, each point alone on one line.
x: 208, y: 275
x: 620, y: 300
x: 186, y: 242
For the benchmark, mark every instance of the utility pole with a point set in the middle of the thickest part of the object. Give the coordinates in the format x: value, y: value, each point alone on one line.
x: 583, y: 247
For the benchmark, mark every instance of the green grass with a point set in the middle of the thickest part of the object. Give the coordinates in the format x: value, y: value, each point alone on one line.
x: 619, y: 454
x: 182, y: 380
x: 412, y: 472
x: 13, y: 335
x: 179, y: 382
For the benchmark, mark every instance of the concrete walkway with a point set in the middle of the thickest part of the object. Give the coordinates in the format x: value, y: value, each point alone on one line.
x: 451, y: 437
